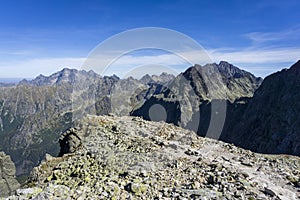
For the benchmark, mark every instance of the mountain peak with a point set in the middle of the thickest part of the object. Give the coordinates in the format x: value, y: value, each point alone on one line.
x: 62, y: 76
x: 230, y: 70
x: 296, y: 66
x: 163, y: 78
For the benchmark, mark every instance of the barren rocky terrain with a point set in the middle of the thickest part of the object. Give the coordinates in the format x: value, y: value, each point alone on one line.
x: 108, y: 157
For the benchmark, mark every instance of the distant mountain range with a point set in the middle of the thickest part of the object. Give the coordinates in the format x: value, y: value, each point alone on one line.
x: 260, y: 115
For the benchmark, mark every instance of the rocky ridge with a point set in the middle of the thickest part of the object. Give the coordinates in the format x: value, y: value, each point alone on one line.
x: 128, y: 158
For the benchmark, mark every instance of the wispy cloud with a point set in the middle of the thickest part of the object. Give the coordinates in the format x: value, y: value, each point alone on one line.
x: 259, y: 56
x: 130, y: 64
x: 261, y: 62
x: 268, y: 52
x: 274, y: 37
x: 127, y: 65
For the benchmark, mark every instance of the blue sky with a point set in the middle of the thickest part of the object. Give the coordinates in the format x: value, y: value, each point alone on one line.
x: 44, y: 36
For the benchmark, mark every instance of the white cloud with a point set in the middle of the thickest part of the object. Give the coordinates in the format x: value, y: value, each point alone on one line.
x: 128, y: 65
x: 259, y: 56
x: 268, y: 53
x: 261, y: 62
x: 258, y: 61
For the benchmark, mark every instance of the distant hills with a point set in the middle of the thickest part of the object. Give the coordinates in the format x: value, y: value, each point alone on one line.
x: 261, y: 115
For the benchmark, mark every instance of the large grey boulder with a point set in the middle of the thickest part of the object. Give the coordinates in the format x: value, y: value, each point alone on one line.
x: 8, y: 183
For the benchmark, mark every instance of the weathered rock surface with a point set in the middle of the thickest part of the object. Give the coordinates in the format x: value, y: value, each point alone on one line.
x: 270, y: 121
x: 8, y: 182
x: 129, y: 158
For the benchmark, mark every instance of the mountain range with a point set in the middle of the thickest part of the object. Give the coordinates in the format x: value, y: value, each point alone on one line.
x: 260, y: 115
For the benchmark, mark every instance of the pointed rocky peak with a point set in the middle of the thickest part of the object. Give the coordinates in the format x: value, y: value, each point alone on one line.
x: 214, y: 78
x: 66, y: 75
x: 146, y: 79
x: 113, y: 77
x: 163, y: 78
x: 231, y: 71
x: 296, y: 67
x: 225, y: 68
x: 92, y: 73
x: 192, y: 71
x: 68, y: 71
x: 130, y: 78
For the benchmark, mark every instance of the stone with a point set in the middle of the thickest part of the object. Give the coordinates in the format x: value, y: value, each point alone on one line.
x: 101, y: 169
x: 69, y: 142
x: 8, y: 181
x: 269, y: 192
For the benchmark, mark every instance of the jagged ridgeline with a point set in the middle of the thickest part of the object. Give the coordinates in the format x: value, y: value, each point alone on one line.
x: 35, y: 113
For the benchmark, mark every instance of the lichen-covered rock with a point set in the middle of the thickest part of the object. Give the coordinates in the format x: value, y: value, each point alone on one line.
x: 129, y: 158
x: 8, y: 182
x: 69, y: 142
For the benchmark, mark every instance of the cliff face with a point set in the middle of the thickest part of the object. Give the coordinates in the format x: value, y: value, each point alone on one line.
x: 269, y: 122
x: 129, y: 158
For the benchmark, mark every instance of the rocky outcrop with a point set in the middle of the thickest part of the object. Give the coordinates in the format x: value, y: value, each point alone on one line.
x: 69, y: 142
x: 129, y: 158
x: 8, y: 182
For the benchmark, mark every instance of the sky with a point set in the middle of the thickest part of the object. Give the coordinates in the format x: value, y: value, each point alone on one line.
x: 42, y: 37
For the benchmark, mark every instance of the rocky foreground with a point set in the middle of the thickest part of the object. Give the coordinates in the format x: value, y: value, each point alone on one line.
x: 8, y: 182
x: 129, y: 158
